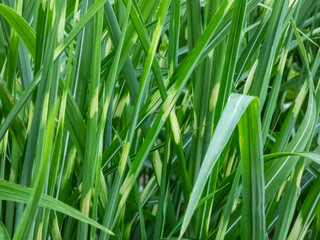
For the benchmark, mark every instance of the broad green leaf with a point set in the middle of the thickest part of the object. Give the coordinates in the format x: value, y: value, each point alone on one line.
x: 235, y: 108
x: 21, y: 27
x: 3, y: 232
x: 253, y: 224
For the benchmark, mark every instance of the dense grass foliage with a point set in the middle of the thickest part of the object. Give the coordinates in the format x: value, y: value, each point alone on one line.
x: 159, y: 119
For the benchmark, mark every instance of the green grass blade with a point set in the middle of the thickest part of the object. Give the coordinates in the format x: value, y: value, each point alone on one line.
x: 21, y: 27
x: 3, y: 232
x: 253, y: 224
x: 235, y: 107
x: 13, y: 192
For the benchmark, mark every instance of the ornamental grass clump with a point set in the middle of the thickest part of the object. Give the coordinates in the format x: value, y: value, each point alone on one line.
x: 139, y: 119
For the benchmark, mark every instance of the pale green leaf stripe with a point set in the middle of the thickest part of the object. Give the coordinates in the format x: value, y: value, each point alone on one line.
x: 17, y: 193
x: 236, y: 106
